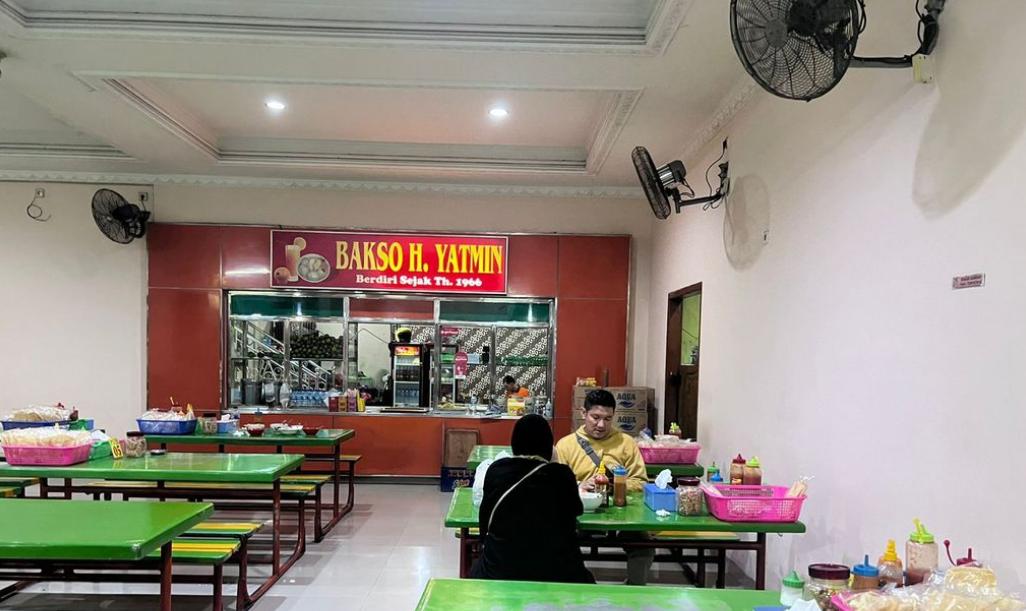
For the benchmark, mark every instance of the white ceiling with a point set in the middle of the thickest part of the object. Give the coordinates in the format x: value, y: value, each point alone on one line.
x: 377, y: 90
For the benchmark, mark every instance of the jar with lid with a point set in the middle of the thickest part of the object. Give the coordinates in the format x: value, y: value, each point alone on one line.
x: 865, y: 576
x: 826, y: 580
x: 791, y: 590
x: 689, y: 497
x: 135, y: 445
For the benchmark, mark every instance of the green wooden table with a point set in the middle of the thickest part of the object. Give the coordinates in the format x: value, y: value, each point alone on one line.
x: 636, y: 516
x: 325, y: 438
x: 482, y: 453
x: 472, y: 595
x: 38, y: 533
x: 183, y: 468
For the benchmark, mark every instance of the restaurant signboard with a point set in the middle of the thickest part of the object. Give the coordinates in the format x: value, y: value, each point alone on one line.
x: 388, y: 262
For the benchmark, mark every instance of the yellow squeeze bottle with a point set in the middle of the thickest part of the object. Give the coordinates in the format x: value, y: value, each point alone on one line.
x: 891, y: 570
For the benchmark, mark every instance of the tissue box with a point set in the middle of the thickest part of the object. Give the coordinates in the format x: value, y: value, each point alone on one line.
x: 657, y: 499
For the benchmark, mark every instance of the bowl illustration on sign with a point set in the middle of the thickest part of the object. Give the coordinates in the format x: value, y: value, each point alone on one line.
x: 313, y: 268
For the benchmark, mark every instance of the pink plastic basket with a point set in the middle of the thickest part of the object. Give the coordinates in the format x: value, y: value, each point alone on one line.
x: 49, y: 457
x: 670, y: 456
x: 754, y: 504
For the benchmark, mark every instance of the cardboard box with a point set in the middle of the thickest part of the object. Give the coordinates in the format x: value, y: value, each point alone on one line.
x: 633, y: 407
x: 455, y: 477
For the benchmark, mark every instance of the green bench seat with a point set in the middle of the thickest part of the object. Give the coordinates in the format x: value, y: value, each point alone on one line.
x: 186, y: 550
x: 235, y: 530
x: 288, y: 491
x: 10, y: 492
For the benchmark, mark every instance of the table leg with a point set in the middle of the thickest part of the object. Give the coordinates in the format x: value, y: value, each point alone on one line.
x: 760, y: 561
x: 464, y: 552
x: 280, y: 449
x: 218, y: 587
x: 165, y: 577
x: 220, y: 448
x: 44, y: 488
x: 276, y: 526
x: 67, y: 489
x: 337, y: 470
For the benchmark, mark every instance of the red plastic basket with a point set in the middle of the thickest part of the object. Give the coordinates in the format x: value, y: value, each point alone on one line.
x: 50, y: 457
x: 754, y: 504
x: 670, y: 456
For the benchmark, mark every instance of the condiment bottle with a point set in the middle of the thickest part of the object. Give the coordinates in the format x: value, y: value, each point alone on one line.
x: 716, y: 479
x: 751, y: 475
x: 711, y: 472
x: 865, y: 576
x: 737, y: 469
x: 791, y: 589
x: 602, y: 485
x: 891, y: 570
x: 620, y: 487
x: 921, y: 555
x: 674, y: 430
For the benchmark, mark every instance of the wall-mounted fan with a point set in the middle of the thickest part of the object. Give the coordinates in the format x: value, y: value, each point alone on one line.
x: 661, y: 184
x: 118, y: 219
x: 800, y: 49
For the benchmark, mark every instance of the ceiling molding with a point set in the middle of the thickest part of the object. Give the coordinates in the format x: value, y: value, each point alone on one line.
x: 609, y: 128
x: 743, y: 92
x: 192, y: 180
x: 180, y: 123
x: 182, y: 127
x: 438, y: 163
x: 651, y: 40
x: 93, y: 152
x: 666, y: 20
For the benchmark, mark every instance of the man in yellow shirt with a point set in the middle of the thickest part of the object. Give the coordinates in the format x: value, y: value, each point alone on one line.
x: 597, y: 442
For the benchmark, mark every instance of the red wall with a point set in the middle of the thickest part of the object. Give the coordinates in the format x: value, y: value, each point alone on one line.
x: 190, y: 266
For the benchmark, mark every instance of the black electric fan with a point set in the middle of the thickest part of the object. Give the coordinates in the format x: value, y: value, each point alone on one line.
x: 661, y: 184
x: 800, y: 49
x: 118, y: 219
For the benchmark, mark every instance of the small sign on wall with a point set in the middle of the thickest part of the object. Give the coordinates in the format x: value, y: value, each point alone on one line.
x: 972, y: 281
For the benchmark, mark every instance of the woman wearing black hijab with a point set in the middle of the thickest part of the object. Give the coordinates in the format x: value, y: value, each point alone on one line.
x: 528, y: 516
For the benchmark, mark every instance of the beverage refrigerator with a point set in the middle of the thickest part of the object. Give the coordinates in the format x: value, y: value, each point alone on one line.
x: 411, y: 375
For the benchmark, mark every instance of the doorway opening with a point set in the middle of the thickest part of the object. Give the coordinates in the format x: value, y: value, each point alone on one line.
x: 683, y: 339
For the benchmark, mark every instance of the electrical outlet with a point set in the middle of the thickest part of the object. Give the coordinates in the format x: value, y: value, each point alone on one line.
x: 144, y: 197
x: 40, y: 192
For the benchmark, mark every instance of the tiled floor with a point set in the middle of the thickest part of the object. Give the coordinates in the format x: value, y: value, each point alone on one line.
x: 378, y: 558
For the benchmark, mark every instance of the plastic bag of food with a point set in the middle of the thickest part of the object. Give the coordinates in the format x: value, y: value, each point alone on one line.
x: 479, y: 477
x: 40, y: 413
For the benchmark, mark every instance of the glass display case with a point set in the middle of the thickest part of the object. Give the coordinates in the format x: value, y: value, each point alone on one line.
x: 290, y: 350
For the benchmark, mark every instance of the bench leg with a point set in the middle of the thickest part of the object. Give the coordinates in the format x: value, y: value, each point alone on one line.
x: 318, y: 527
x: 721, y: 569
x: 243, y: 601
x: 165, y: 577
x: 218, y: 587
x: 700, y: 566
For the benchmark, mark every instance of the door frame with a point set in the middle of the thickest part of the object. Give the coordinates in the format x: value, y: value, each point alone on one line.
x: 672, y: 385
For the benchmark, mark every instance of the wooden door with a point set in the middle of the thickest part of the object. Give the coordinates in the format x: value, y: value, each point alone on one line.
x: 683, y: 334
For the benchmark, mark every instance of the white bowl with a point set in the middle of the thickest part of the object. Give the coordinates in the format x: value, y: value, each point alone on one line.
x: 591, y: 501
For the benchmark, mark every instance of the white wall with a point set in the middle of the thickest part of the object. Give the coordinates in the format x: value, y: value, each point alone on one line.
x: 838, y: 349
x: 72, y: 309
x: 72, y: 313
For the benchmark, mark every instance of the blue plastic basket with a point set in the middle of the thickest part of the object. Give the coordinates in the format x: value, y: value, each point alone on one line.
x: 227, y: 427
x: 14, y: 424
x: 167, y: 427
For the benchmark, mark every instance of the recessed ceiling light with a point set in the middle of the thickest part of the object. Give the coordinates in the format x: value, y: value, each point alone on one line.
x: 499, y: 113
x: 275, y: 105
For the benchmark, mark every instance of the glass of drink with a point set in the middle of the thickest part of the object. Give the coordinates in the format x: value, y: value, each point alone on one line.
x: 292, y: 261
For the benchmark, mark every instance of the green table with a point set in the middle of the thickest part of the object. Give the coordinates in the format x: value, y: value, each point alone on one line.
x: 199, y: 469
x: 325, y: 438
x: 472, y: 595
x: 482, y: 453
x: 42, y: 532
x: 636, y: 516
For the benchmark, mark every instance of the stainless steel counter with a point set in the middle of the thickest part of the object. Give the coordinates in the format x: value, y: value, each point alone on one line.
x: 373, y: 412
